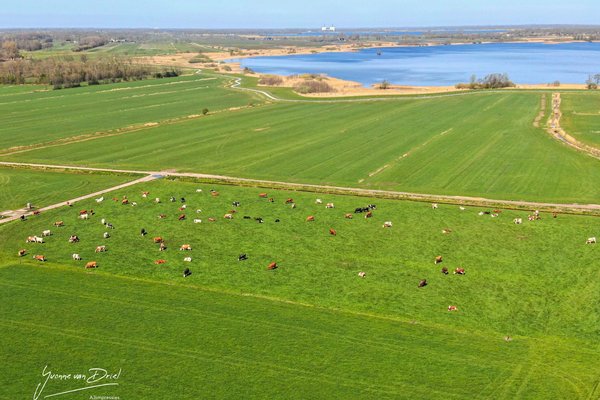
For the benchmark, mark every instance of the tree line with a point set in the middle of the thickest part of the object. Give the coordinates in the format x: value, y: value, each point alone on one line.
x: 491, y: 81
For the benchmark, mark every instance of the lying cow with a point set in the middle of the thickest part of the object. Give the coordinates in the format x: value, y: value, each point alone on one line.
x: 423, y: 283
x: 459, y: 271
x: 100, y: 199
x: 161, y: 261
x: 369, y: 214
x: 434, y: 206
x: 214, y: 193
x: 329, y: 205
x: 362, y: 274
x: 185, y: 247
x: 318, y: 201
x: 91, y: 264
x: 272, y: 266
x: 263, y: 195
x: 197, y: 221
x: 84, y: 216
x: 446, y: 231
x: 348, y: 216
x: 181, y: 217
x: 100, y: 249
x: 242, y: 257
x: 73, y: 239
x: 187, y: 273
x: 518, y: 221
x: 310, y: 218
x: 59, y: 223
x: 438, y: 259
x: 332, y: 232
x: 444, y: 270
x: 187, y: 259
x: 39, y: 258
x: 158, y: 239
x: 289, y: 201
x: 162, y: 247
x: 228, y: 216
x: 591, y: 240
x: 452, y: 308
x: 22, y: 252
x: 387, y: 224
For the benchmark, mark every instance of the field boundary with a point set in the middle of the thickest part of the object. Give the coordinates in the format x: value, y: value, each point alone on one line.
x: 581, y: 209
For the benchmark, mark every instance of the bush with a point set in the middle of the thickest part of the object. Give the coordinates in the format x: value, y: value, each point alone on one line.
x: 204, y: 111
x: 491, y: 81
x: 313, y: 87
x: 384, y: 85
x: 270, y: 80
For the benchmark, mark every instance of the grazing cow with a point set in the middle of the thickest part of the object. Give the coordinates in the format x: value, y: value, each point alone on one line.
x: 162, y: 247
x: 387, y: 224
x: 183, y: 207
x: 161, y: 261
x: 181, y: 217
x: 35, y: 239
x: 272, y: 266
x: 143, y: 232
x: 158, y: 239
x: 198, y: 190
x: 289, y: 201
x: 100, y: 249
x: 105, y: 235
x: 30, y: 239
x: 242, y: 257
x: 124, y: 201
x: 59, y: 223
x: 91, y: 264
x: 39, y: 258
x: 358, y: 210
x: 459, y: 271
x: 187, y: 273
x: 157, y: 200
x: 554, y: 214
x: 423, y: 283
x: 438, y: 259
x: 263, y: 195
x: 318, y: 201
x: 228, y: 216
x: 518, y: 221
x: 591, y: 240
x: 369, y: 214
x: 372, y: 207
x: 133, y: 204
x: 185, y: 247
x: 362, y: 274
x: 446, y: 231
x: 22, y: 252
x: 259, y: 220
x: 83, y: 212
x: 235, y: 204
x: 214, y: 193
x: 271, y: 200
x: 109, y: 225
x: 73, y: 239
x: 445, y: 271
x: 452, y: 308
x: 100, y: 199
x: 293, y: 205
x: 332, y: 232
x: 247, y: 217
x: 187, y: 259
x: 348, y: 216
x: 183, y: 199
x: 461, y: 208
x: 162, y: 216
x: 84, y: 216
x: 46, y: 233
x: 145, y: 194
x: 76, y: 257
x: 211, y: 219
x: 198, y: 211
x: 434, y: 206
x: 197, y: 221
x: 172, y: 199
x: 277, y: 220
x: 37, y: 212
x: 103, y: 221
x: 310, y: 218
x: 115, y: 199
x: 329, y: 205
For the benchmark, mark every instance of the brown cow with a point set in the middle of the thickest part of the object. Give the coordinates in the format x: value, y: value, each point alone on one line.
x: 263, y: 195
x: 452, y: 308
x: 310, y: 218
x: 162, y: 247
x: 39, y: 258
x: 332, y: 232
x: 289, y: 201
x: 348, y: 216
x: 124, y: 201
x: 445, y: 271
x: 214, y: 193
x: 100, y: 249
x: 181, y: 217
x: 91, y: 264
x: 212, y: 219
x: 37, y: 212
x: 59, y: 223
x: 271, y: 266
x: 228, y: 216
x: 22, y: 252
x: 83, y: 212
x: 161, y: 261
x: 158, y: 239
x: 438, y: 259
x: 185, y: 247
x: 369, y: 214
x: 162, y: 216
x: 423, y: 283
x: 459, y: 271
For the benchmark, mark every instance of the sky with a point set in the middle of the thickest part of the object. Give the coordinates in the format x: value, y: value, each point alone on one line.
x: 279, y: 14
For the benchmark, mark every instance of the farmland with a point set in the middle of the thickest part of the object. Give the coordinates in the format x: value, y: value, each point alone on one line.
x: 480, y: 144
x: 581, y: 116
x: 260, y: 326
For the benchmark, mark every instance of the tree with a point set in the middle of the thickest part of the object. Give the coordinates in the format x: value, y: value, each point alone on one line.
x: 204, y: 111
x: 10, y: 51
x: 384, y: 85
x: 591, y: 82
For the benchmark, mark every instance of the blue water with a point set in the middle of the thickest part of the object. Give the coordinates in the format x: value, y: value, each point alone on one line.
x: 387, y: 33
x: 525, y: 63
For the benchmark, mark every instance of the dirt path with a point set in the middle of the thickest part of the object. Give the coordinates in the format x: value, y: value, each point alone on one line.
x: 590, y: 209
x: 554, y: 129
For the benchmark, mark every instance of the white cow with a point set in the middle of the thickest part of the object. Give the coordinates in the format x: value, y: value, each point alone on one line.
x: 188, y: 259
x: 100, y: 199
x: 106, y: 235
x: 329, y: 205
x: 157, y: 200
x: 198, y: 190
x: 84, y: 216
x: 38, y: 239
x: 434, y: 206
x: 198, y: 211
x: 103, y: 221
x: 387, y: 224
x: 197, y: 221
x: 461, y: 208
x: 319, y: 201
x: 591, y: 240
x: 76, y: 257
x: 46, y: 233
x: 183, y: 207
x: 518, y: 221
x: 133, y: 204
x: 362, y: 274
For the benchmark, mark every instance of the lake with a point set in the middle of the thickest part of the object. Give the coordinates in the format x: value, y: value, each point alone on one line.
x: 525, y: 63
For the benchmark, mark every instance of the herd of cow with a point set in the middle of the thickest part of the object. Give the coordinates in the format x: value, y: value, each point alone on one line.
x: 367, y: 212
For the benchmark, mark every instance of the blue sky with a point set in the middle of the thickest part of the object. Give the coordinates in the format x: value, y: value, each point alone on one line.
x: 292, y: 14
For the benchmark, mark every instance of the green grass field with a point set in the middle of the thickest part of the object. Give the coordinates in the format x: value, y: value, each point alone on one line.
x: 312, y: 328
x: 581, y: 116
x: 480, y: 144
x: 41, y: 188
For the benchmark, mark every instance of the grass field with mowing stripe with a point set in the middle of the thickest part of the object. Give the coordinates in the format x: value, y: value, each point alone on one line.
x: 581, y: 116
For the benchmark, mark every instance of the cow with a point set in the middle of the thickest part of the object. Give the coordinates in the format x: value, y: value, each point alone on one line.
x: 271, y: 200
x: 554, y: 215
x: 109, y: 225
x: 162, y: 247
x: 318, y: 201
x: 214, y: 193
x: 332, y: 232
x: 187, y: 259
x: 434, y: 206
x: 369, y: 214
x: 372, y: 207
x: 198, y: 190
x: 259, y: 220
x: 172, y: 199
x: 446, y: 231
x: 358, y: 210
x: 84, y: 216
x: 103, y: 221
x: 34, y: 239
x: 73, y: 239
x: 183, y: 207
x: 387, y: 224
x: 310, y: 218
x: 235, y: 204
x: 422, y: 283
x: 329, y: 205
x: 591, y: 240
x: 161, y: 261
x: 105, y: 235
x: 145, y: 194
x: 37, y: 212
x: 211, y: 219
x: 157, y: 200
x: 162, y: 216
x: 100, y: 249
x: 187, y: 273
x: 242, y: 257
x: 124, y: 202
x: 91, y: 264
x: 362, y: 274
x: 459, y: 271
x: 452, y: 308
x: 263, y: 195
x: 445, y: 271
x: 81, y: 212
x: 293, y: 205
x: 277, y: 220
x: 100, y: 199
x: 518, y: 221
x: 197, y: 221
x: 76, y: 257
x: 461, y: 208
x: 46, y: 233
x: 59, y: 223
x: 438, y: 259
x: 22, y: 252
x: 143, y: 232
x: 348, y: 216
x: 133, y: 204
x: 158, y: 239
x: 39, y: 258
x: 183, y: 199
x: 181, y: 217
x: 272, y: 266
x: 185, y: 247
x: 247, y: 217
x: 228, y: 216
x: 289, y: 201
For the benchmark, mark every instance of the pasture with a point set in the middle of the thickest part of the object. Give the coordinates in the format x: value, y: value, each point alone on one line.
x: 478, y: 144
x: 41, y: 188
x: 581, y: 116
x: 312, y: 327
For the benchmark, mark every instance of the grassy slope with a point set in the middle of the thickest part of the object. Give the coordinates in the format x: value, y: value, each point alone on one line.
x: 537, y: 282
x: 28, y: 117
x: 581, y: 116
x: 480, y: 144
x: 42, y: 188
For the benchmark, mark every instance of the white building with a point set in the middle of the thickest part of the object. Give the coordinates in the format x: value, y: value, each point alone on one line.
x: 328, y: 28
